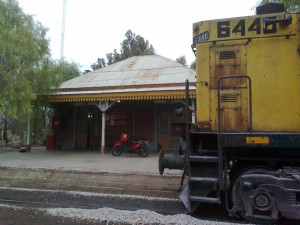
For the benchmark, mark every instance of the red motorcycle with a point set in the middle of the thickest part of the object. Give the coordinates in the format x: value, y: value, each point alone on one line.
x: 140, y: 147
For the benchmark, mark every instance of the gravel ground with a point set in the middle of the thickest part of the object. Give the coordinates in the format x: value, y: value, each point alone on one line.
x: 110, y: 209
x: 108, y: 216
x: 14, y: 215
x: 125, y: 216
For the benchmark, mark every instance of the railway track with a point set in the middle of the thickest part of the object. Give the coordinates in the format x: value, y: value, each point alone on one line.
x: 42, y: 189
x: 49, y: 199
x: 88, y: 200
x: 35, y: 189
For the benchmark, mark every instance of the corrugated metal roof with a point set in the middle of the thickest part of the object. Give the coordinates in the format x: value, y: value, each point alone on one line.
x: 136, y: 74
x: 138, y: 70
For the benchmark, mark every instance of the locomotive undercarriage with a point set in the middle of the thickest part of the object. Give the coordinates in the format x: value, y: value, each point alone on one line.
x: 261, y: 183
x: 261, y: 195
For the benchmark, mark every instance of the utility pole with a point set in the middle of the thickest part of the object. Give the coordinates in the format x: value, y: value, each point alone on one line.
x: 62, y: 43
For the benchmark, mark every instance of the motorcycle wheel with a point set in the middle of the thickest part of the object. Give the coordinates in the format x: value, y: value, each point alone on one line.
x: 144, y: 151
x: 116, y: 151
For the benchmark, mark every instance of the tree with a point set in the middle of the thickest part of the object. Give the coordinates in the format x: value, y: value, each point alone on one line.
x: 63, y: 70
x: 26, y: 68
x: 99, y: 64
x: 133, y: 45
x: 181, y: 60
x: 50, y: 75
x: 23, y: 45
x: 193, y: 65
x: 289, y: 5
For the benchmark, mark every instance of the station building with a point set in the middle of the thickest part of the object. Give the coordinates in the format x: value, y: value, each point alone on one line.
x: 137, y: 96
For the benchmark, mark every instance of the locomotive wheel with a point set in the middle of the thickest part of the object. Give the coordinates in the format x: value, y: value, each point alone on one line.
x: 116, y: 151
x: 263, y: 200
x: 144, y: 151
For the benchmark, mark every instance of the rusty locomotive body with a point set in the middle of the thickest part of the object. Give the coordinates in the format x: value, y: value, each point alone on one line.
x: 245, y: 142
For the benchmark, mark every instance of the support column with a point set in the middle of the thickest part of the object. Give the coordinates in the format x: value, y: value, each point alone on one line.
x: 103, y: 133
x: 103, y: 106
x: 156, y: 127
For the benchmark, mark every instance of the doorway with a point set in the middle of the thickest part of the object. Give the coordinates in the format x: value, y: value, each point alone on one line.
x: 85, y: 130
x: 164, y: 130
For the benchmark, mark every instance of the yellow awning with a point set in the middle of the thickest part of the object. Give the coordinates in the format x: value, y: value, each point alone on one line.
x: 121, y: 96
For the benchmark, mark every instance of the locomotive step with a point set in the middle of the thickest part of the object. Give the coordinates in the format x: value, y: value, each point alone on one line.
x: 204, y: 179
x: 204, y: 159
x: 205, y: 199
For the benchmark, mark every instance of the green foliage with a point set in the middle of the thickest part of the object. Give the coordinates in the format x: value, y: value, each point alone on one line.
x: 23, y: 45
x: 193, y: 65
x: 50, y: 75
x: 27, y: 73
x: 62, y: 70
x: 133, y: 45
x: 181, y: 60
x: 100, y: 64
x: 289, y: 5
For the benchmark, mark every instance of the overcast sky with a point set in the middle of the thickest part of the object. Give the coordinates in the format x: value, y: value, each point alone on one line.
x: 96, y: 27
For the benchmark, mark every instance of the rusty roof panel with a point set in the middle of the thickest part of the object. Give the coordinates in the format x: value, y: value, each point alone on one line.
x: 138, y: 70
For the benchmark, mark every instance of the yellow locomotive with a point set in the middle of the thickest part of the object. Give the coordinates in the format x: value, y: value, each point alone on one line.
x: 246, y: 139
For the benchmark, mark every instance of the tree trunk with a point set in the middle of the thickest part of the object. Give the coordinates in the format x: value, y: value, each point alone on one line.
x: 35, y: 123
x: 5, y: 130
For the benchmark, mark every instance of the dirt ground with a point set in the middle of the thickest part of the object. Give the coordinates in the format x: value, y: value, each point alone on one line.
x: 78, y: 171
x: 94, y: 182
x: 104, y: 182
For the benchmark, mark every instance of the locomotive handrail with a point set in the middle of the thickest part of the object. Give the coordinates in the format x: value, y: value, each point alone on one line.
x: 223, y: 176
x: 187, y: 92
x: 187, y: 121
x: 220, y: 145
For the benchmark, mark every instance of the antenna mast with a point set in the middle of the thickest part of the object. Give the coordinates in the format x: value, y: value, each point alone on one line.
x: 62, y: 43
